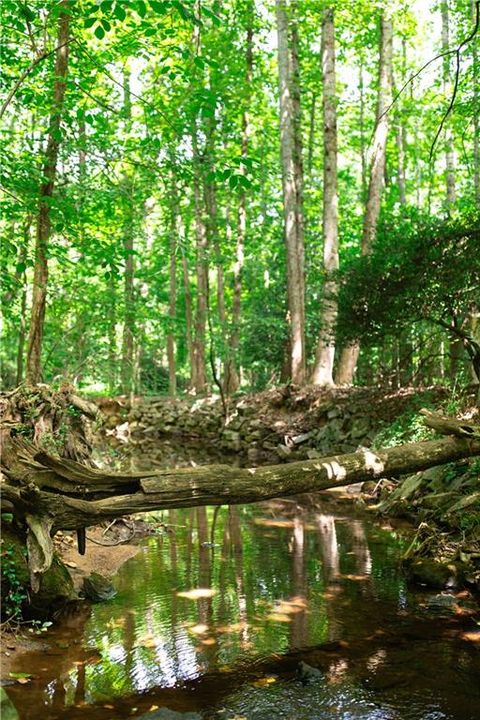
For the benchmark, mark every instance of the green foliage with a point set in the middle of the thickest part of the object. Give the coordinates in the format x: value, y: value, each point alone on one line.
x: 14, y: 591
x: 419, y: 270
x: 143, y: 77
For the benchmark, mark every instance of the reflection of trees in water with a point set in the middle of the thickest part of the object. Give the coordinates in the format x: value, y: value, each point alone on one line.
x: 327, y: 536
x: 298, y: 619
x: 270, y: 588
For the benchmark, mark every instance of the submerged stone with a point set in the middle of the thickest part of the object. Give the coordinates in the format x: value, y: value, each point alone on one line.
x: 432, y: 573
x: 308, y: 674
x: 98, y: 588
x: 167, y: 714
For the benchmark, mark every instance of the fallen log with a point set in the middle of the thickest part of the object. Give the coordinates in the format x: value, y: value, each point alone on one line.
x: 49, y: 493
x: 75, y: 496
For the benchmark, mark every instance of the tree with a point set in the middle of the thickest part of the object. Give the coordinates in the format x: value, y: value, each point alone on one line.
x: 40, y: 281
x: 323, y: 369
x: 292, y: 181
x: 418, y: 271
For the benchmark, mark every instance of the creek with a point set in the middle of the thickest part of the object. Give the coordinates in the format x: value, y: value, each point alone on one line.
x: 215, y: 615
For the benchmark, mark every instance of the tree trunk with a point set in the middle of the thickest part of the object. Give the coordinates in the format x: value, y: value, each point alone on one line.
x: 188, y: 314
x: 69, y: 495
x: 231, y: 379
x: 449, y: 151
x: 199, y: 376
x: 476, y: 111
x: 363, y: 156
x: 323, y: 370
x: 40, y: 280
x: 128, y: 337
x: 349, y: 357
x: 172, y: 290
x: 112, y: 334
x: 292, y: 182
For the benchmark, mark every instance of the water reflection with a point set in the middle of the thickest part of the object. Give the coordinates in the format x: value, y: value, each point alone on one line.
x: 223, y: 606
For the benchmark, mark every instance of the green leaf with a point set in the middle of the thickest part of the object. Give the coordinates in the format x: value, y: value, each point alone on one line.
x: 119, y: 12
x: 150, y: 31
x: 141, y: 8
x: 21, y: 267
x: 159, y: 7
x: 210, y: 14
x: 106, y: 6
x: 106, y: 25
x: 99, y: 32
x: 233, y: 181
x: 90, y: 21
x: 20, y: 675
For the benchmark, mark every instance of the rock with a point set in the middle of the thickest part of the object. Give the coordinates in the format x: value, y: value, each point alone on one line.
x: 283, y: 452
x: 432, y: 573
x: 167, y: 714
x: 313, y: 454
x: 308, y: 674
x: 360, y: 428
x: 98, y: 588
x: 244, y: 409
x: 334, y: 413
x: 302, y: 438
x: 442, y: 602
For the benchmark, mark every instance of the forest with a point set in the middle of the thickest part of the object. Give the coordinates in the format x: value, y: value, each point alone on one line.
x: 206, y: 194
x: 240, y: 359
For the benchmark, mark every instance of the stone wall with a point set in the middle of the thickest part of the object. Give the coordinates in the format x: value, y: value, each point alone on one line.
x: 277, y: 425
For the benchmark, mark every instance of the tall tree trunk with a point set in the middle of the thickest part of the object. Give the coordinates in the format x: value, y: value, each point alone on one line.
x: 188, y: 316
x: 363, y: 155
x: 292, y: 182
x: 449, y: 152
x: 231, y: 380
x: 127, y: 370
x: 476, y: 111
x: 213, y: 238
x: 40, y: 279
x: 172, y: 290
x: 22, y: 330
x: 199, y: 376
x: 349, y: 356
x: 323, y: 370
x: 112, y: 334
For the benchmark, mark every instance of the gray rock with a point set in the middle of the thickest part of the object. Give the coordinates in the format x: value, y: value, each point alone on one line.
x: 167, y: 714
x: 283, y: 452
x: 308, y: 674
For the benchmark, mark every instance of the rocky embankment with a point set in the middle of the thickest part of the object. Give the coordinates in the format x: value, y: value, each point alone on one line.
x: 283, y: 424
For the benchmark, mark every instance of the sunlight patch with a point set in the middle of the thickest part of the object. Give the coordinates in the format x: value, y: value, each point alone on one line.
x: 196, y: 593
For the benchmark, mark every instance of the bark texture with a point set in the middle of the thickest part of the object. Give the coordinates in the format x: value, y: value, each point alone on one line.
x: 40, y: 279
x: 292, y: 175
x: 199, y: 373
x: 231, y: 378
x: 325, y: 353
x: 70, y: 495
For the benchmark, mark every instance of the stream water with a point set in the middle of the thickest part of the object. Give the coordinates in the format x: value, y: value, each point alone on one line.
x: 216, y: 616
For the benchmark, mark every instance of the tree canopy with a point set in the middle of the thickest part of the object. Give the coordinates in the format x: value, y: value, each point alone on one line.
x: 145, y: 227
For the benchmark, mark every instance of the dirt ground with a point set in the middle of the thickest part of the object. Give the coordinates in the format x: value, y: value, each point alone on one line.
x: 103, y: 559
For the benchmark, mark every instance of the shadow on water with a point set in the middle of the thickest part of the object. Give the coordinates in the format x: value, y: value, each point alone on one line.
x: 216, y: 616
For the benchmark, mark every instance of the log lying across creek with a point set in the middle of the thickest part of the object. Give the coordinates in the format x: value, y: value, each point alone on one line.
x: 51, y: 493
